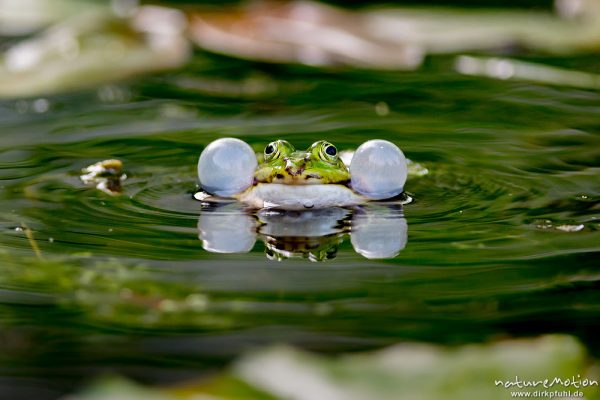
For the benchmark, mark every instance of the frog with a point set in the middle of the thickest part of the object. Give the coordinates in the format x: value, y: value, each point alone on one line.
x: 291, y: 179
x: 319, y: 164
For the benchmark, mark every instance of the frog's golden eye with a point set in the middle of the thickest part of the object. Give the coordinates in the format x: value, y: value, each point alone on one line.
x: 271, y: 151
x: 277, y: 149
x: 328, y: 152
x: 331, y: 150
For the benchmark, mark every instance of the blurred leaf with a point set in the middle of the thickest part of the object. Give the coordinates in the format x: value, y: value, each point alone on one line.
x: 93, y: 48
x: 406, y: 371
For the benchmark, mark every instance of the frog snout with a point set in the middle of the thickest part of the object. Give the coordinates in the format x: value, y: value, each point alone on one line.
x: 293, y: 169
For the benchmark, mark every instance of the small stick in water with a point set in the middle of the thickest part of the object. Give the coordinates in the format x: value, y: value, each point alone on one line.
x: 32, y: 242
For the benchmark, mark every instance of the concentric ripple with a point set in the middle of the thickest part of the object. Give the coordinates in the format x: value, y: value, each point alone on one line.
x: 473, y: 214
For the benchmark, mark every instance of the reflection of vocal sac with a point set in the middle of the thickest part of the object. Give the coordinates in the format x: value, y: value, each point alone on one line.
x: 376, y: 231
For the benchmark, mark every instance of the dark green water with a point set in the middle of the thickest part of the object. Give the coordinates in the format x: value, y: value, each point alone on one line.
x: 503, y: 234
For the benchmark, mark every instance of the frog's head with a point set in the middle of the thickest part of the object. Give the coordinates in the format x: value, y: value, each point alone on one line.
x: 320, y: 164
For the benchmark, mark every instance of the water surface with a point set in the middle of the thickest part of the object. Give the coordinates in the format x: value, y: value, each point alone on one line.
x: 502, y: 238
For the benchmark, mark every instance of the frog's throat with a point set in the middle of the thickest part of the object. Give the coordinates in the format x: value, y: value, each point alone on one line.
x: 299, y: 197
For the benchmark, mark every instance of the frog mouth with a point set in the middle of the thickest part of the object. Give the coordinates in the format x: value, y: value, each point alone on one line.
x: 294, y: 171
x: 298, y: 177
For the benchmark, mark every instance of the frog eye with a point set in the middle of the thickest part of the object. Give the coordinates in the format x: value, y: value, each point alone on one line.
x: 277, y: 149
x: 328, y: 152
x: 271, y: 151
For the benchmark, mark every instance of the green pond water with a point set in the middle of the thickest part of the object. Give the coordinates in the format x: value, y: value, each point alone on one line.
x: 502, y: 238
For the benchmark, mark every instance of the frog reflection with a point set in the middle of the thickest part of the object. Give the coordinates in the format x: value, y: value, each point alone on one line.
x: 315, y: 249
x: 314, y: 234
x: 376, y: 231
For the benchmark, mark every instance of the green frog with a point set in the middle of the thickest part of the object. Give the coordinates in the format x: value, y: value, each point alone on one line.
x: 294, y: 180
x: 320, y: 164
